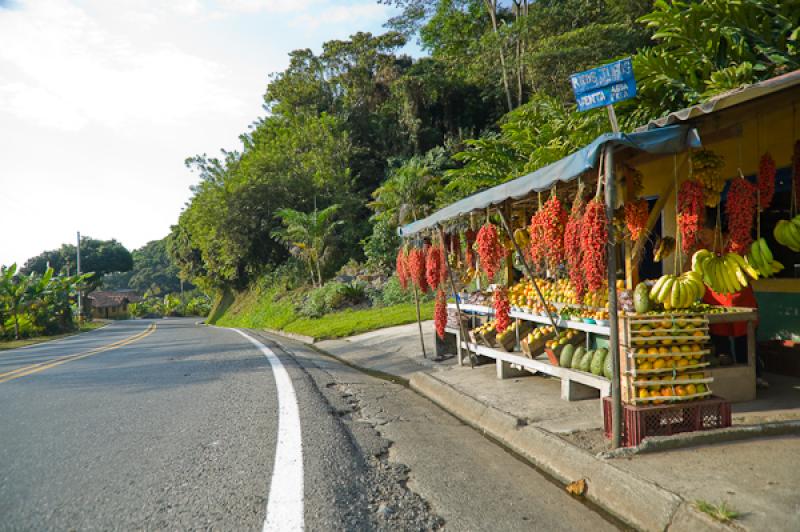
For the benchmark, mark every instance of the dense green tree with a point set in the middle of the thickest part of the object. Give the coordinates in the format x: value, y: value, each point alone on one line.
x: 98, y: 256
x: 152, y: 271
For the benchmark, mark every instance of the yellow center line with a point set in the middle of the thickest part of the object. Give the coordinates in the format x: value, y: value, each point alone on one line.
x: 41, y: 366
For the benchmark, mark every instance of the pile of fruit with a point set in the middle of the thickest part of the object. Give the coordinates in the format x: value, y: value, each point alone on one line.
x: 678, y: 291
x: 787, y: 233
x: 595, y: 361
x: 484, y: 333
x: 724, y: 274
x: 760, y: 258
x: 707, y: 169
x: 545, y: 331
x: 508, y: 337
x: 665, y: 359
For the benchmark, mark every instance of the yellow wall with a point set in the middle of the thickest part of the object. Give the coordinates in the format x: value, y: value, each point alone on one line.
x: 741, y: 135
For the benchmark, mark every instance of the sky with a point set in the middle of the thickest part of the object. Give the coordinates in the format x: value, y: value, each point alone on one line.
x: 101, y: 101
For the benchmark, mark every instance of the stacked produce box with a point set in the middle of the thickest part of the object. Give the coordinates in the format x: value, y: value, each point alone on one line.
x: 664, y: 358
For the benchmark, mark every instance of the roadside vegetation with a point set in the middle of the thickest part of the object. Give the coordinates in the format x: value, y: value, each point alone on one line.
x: 359, y: 138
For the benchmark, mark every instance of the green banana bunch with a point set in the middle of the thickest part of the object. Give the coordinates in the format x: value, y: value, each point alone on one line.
x: 677, y: 292
x: 724, y: 274
x: 760, y: 259
x: 664, y: 248
x: 787, y: 233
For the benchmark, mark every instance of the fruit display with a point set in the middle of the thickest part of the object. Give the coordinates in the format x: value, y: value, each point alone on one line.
x: 416, y: 269
x: 724, y: 274
x: 501, y: 309
x: 641, y: 298
x: 740, y: 208
x: 553, y: 220
x: 440, y: 313
x: 490, y: 250
x: 787, y: 233
x: 435, y: 267
x: 484, y: 334
x: 508, y: 337
x: 536, y: 246
x: 636, y: 214
x: 759, y: 257
x: 678, y: 291
x: 402, y: 268
x: 664, y: 248
x: 533, y: 343
x: 690, y: 214
x: 766, y: 180
x: 594, y: 240
x: 572, y: 246
x: 707, y: 169
x: 664, y: 358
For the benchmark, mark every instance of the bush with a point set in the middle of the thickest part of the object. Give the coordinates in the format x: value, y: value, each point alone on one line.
x: 332, y: 296
x: 393, y: 293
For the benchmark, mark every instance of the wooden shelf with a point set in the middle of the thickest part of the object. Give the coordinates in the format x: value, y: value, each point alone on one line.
x: 602, y: 330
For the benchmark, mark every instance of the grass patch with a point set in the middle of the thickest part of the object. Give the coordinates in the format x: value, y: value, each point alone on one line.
x: 16, y: 344
x: 350, y: 322
x: 720, y: 512
x: 271, y: 309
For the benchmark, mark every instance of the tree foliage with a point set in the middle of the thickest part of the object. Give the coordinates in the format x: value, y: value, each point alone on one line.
x: 98, y: 256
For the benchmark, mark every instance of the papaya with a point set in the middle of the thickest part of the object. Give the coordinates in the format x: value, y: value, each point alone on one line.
x: 599, y: 358
x: 586, y: 361
x: 641, y: 298
x: 565, y: 359
x: 576, y: 361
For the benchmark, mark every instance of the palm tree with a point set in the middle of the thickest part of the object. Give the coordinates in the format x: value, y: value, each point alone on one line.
x: 406, y: 195
x: 20, y: 291
x: 308, y: 235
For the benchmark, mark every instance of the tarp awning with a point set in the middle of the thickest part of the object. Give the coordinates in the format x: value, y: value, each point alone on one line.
x: 672, y: 139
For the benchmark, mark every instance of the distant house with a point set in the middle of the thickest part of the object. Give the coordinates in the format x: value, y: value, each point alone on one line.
x: 112, y: 304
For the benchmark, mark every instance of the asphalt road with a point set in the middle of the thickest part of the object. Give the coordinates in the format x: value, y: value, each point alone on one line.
x: 171, y: 425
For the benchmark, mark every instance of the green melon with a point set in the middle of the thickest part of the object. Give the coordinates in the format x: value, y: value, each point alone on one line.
x: 607, y: 369
x: 641, y: 298
x: 566, y: 356
x: 576, y: 361
x: 598, y: 360
x: 586, y: 361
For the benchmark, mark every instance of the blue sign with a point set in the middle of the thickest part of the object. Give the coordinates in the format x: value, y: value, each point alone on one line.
x: 604, y: 85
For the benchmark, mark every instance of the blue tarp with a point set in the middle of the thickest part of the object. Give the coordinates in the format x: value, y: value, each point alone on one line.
x: 672, y: 139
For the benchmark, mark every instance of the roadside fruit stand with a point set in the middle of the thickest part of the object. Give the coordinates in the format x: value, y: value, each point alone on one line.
x: 580, y: 271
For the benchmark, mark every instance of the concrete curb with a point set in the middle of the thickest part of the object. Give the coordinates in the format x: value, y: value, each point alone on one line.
x: 293, y: 336
x: 636, y: 501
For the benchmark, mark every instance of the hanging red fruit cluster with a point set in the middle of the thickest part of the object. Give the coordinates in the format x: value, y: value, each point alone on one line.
x: 572, y: 245
x: 402, y: 268
x: 440, y: 313
x: 489, y: 249
x: 741, y: 210
x: 416, y: 269
x: 594, y: 238
x: 469, y: 255
x: 636, y: 214
x: 766, y: 180
x: 434, y: 266
x: 501, y: 309
x: 455, y: 248
x: 536, y: 231
x: 553, y: 220
x: 691, y: 213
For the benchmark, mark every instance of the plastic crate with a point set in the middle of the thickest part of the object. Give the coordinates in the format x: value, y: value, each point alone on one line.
x: 639, y: 422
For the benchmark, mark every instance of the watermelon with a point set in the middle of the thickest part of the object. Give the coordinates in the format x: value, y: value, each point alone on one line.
x: 586, y: 361
x: 566, y: 356
x: 576, y: 361
x: 641, y: 298
x: 598, y: 359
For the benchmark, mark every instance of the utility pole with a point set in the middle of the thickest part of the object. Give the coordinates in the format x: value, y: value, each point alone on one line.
x: 80, y: 315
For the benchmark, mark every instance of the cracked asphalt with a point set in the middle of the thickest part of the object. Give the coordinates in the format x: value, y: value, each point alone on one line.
x: 177, y: 430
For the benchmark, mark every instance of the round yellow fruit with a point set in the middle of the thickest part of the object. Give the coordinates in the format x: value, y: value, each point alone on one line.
x: 691, y: 389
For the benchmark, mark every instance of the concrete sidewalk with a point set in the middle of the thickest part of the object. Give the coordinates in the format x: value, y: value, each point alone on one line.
x: 649, y: 491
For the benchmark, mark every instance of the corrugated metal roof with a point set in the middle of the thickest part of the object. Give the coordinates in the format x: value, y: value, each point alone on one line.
x: 728, y: 99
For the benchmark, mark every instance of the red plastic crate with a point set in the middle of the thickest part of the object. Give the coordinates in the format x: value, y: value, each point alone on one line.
x: 667, y: 419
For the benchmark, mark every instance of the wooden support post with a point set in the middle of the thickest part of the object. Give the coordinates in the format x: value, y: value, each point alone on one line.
x: 419, y: 321
x: 463, y: 335
x: 613, y: 340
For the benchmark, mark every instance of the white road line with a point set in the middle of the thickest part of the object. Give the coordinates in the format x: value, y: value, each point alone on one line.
x: 285, y: 503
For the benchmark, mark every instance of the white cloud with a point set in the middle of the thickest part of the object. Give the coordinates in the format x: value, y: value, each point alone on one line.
x: 76, y: 72
x: 340, y: 14
x: 272, y: 6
